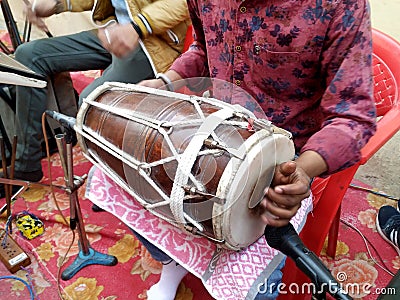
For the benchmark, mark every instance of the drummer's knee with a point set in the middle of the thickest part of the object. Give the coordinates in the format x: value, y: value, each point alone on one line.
x: 30, y: 55
x: 23, y: 54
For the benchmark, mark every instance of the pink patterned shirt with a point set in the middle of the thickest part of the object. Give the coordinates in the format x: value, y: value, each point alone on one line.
x: 307, y: 64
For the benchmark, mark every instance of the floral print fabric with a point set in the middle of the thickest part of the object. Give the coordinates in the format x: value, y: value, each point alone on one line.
x: 229, y: 275
x: 307, y: 64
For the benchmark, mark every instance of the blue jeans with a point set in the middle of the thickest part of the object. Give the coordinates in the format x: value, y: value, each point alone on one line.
x: 269, y: 293
x: 154, y: 251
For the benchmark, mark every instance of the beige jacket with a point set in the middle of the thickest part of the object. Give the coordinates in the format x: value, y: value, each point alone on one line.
x: 168, y: 20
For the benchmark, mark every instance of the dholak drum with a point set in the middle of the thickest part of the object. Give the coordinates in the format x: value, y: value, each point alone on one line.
x: 194, y: 161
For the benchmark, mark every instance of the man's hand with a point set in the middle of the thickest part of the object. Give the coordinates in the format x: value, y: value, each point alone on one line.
x: 119, y: 40
x: 289, y: 187
x: 175, y: 78
x: 152, y: 83
x: 39, y: 9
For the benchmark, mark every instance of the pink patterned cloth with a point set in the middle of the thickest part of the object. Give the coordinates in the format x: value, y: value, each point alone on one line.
x: 226, y: 274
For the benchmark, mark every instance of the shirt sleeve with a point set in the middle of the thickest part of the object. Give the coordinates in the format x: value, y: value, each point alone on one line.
x: 347, y: 104
x: 193, y: 63
x: 162, y: 15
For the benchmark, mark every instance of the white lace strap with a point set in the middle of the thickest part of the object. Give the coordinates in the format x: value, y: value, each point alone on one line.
x: 188, y: 158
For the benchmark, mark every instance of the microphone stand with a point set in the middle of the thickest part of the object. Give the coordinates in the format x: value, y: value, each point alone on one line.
x: 286, y: 240
x: 87, y: 255
x: 12, y: 29
x: 11, y: 25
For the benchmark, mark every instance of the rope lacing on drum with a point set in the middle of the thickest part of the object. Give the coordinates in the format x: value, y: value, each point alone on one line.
x: 157, y: 125
x: 188, y: 158
x: 185, y: 160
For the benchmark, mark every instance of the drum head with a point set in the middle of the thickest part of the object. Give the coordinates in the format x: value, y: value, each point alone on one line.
x: 243, y: 184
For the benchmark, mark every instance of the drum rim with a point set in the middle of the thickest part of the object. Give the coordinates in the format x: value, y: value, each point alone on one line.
x: 221, y: 218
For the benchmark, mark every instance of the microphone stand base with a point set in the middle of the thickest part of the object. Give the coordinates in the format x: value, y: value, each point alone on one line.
x: 92, y: 258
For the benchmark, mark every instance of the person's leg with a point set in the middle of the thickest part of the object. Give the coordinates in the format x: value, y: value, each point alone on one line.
x: 81, y: 51
x: 154, y: 251
x: 171, y: 275
x: 270, y: 290
x: 131, y: 69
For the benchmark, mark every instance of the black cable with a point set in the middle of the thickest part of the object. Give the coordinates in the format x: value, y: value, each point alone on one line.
x: 375, y: 192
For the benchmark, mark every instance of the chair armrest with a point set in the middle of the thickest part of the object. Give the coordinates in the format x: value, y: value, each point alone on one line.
x: 387, y: 127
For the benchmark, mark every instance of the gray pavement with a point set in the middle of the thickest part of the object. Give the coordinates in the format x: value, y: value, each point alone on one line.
x: 382, y: 171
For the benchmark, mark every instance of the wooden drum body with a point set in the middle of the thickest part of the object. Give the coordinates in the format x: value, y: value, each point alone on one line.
x: 192, y: 161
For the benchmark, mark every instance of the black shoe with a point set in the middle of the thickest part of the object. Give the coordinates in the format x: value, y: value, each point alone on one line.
x: 96, y: 208
x: 34, y: 176
x: 15, y: 188
x: 388, y: 225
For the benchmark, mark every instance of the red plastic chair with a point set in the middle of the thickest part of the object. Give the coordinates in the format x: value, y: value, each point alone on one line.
x: 329, y: 192
x: 188, y: 39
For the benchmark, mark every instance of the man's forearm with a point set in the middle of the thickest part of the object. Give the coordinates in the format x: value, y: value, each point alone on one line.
x: 312, y: 163
x: 173, y: 75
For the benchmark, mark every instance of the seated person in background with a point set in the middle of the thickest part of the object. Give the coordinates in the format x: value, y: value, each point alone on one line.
x: 134, y: 41
x: 308, y: 65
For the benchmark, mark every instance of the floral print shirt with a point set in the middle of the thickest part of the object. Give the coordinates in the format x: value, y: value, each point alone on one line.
x: 307, y: 64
